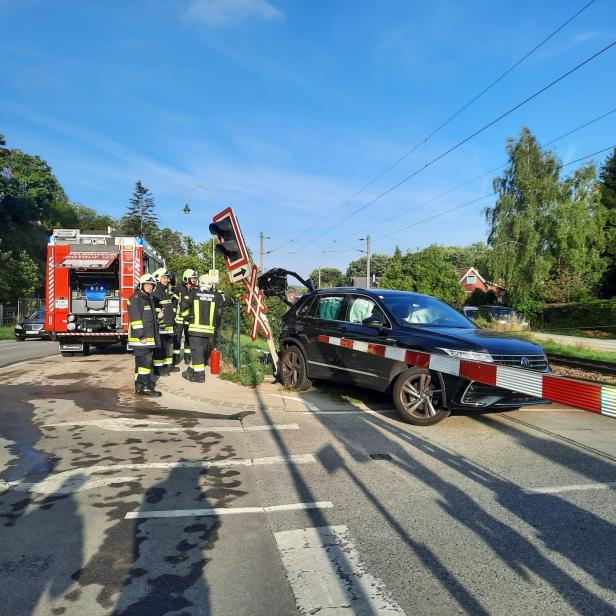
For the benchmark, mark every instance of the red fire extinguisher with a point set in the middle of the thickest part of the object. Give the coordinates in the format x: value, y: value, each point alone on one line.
x: 215, y: 361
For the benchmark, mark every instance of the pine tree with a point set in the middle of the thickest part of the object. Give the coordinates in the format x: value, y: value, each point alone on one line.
x: 607, y: 185
x: 140, y: 218
x: 394, y: 276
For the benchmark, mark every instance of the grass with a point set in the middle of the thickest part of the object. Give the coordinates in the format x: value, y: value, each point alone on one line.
x: 575, y: 351
x: 7, y: 332
x: 255, y: 360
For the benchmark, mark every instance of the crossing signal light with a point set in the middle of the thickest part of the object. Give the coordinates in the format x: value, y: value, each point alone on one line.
x: 230, y: 242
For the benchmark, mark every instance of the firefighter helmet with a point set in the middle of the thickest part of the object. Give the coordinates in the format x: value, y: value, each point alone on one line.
x: 160, y: 272
x: 188, y: 274
x: 146, y: 279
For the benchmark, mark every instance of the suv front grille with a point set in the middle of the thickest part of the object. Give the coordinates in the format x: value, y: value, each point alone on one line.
x: 535, y: 362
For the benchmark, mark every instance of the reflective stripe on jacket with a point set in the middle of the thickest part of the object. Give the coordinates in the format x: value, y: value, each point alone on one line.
x: 181, y: 310
x: 164, y: 307
x: 142, y: 321
x: 203, y: 311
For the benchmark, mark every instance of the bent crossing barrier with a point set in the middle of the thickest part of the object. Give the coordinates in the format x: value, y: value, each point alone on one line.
x: 593, y: 397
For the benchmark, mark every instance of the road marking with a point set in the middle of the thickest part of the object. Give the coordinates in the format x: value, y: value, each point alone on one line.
x: 583, y: 486
x: 185, y: 513
x: 80, y: 479
x: 357, y: 412
x: 327, y: 576
x: 121, y: 424
x: 312, y: 407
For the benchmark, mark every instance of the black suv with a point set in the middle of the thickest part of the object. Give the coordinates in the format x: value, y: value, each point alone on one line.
x: 357, y: 336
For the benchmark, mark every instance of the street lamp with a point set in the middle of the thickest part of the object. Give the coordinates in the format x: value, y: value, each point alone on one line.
x: 186, y: 210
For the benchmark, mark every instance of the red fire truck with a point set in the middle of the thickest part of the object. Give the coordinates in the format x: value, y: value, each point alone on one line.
x: 90, y: 276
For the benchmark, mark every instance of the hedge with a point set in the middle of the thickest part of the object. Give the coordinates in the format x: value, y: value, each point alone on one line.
x: 596, y: 313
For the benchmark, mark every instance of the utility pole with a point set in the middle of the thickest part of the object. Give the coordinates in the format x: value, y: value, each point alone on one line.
x: 368, y: 257
x: 260, y: 251
x: 319, y: 277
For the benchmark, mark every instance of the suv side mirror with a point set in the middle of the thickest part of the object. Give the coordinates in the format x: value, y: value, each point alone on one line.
x: 372, y: 322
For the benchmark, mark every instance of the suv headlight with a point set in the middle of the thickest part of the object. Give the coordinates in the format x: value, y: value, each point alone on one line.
x: 18, y: 326
x: 472, y: 355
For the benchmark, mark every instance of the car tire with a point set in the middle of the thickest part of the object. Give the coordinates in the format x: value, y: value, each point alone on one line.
x: 293, y: 374
x: 86, y: 349
x: 414, y: 397
x: 67, y: 353
x: 20, y: 338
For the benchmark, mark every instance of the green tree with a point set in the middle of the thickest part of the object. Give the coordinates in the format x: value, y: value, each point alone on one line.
x: 433, y: 275
x: 476, y: 255
x: 140, y: 217
x: 378, y: 264
x: 395, y: 276
x: 330, y: 277
x: 477, y: 298
x: 607, y: 187
x: 20, y: 277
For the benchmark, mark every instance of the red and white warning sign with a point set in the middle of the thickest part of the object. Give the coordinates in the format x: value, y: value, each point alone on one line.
x: 255, y: 306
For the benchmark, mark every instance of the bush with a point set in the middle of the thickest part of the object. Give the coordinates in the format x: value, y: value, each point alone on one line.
x: 596, y: 313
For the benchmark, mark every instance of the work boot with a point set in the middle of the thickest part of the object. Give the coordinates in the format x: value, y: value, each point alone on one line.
x: 141, y: 389
x: 151, y: 391
x: 165, y: 371
x: 187, y: 374
x: 174, y: 369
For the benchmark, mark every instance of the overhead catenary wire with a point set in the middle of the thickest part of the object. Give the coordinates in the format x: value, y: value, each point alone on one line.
x: 462, y: 142
x: 492, y: 194
x: 463, y: 108
x: 479, y: 177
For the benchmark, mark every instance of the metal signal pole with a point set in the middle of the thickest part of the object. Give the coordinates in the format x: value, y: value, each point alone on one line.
x: 368, y: 257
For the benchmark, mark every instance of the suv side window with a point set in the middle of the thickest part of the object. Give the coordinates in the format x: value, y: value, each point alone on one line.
x: 304, y: 309
x: 330, y: 307
x: 361, y: 308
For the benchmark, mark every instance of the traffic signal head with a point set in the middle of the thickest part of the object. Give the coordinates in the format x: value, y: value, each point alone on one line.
x: 229, y: 244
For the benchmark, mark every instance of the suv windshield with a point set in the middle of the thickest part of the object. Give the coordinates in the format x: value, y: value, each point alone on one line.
x: 421, y: 310
x: 499, y: 313
x: 37, y: 315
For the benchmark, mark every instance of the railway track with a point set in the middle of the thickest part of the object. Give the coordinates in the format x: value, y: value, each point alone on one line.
x: 590, y: 365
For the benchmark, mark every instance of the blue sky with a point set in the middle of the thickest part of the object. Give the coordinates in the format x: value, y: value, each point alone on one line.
x: 286, y: 108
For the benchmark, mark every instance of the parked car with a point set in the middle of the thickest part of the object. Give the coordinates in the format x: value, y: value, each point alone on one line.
x: 500, y: 314
x: 327, y: 335
x: 31, y: 327
x: 470, y: 312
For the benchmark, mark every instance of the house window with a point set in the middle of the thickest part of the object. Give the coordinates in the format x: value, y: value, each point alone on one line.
x: 471, y: 279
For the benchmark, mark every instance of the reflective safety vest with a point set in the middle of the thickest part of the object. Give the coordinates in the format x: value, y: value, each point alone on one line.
x: 142, y: 320
x: 180, y: 299
x: 203, y: 311
x: 163, y: 300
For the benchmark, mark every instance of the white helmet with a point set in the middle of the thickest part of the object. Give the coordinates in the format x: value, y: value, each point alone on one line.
x: 161, y: 271
x: 147, y: 279
x: 205, y: 280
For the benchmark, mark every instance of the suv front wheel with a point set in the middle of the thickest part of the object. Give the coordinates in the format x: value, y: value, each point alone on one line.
x: 293, y: 372
x: 418, y: 397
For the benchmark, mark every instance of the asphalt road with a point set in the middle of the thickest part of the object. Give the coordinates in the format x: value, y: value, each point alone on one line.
x: 14, y: 351
x: 110, y: 505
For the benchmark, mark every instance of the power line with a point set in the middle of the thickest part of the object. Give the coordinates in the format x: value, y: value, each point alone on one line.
x: 483, y: 175
x: 453, y: 116
x: 463, y: 141
x: 493, y: 193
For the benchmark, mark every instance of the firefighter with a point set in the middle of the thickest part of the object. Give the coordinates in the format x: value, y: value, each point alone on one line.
x: 203, y: 305
x: 163, y: 355
x: 143, y: 334
x: 189, y: 281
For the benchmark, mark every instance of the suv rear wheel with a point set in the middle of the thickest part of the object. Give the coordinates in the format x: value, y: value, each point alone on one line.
x: 418, y: 397
x: 293, y: 372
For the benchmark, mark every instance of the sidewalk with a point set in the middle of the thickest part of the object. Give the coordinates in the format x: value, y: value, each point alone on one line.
x: 268, y: 396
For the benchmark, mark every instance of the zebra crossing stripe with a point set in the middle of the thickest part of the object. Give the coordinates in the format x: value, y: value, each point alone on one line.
x: 593, y: 397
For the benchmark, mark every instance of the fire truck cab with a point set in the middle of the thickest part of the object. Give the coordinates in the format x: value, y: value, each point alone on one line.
x: 90, y: 276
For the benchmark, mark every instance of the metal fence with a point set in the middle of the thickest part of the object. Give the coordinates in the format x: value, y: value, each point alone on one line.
x: 8, y: 315
x: 27, y: 305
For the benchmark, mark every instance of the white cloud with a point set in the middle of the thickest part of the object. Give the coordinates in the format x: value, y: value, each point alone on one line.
x: 224, y: 12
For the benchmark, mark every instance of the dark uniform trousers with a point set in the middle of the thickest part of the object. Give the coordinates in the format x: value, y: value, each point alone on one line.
x: 201, y: 347
x: 178, y: 331
x: 144, y: 357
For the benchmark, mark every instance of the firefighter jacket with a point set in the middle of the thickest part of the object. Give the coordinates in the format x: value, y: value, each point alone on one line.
x: 142, y: 320
x: 164, y: 308
x: 180, y: 297
x: 203, y: 311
